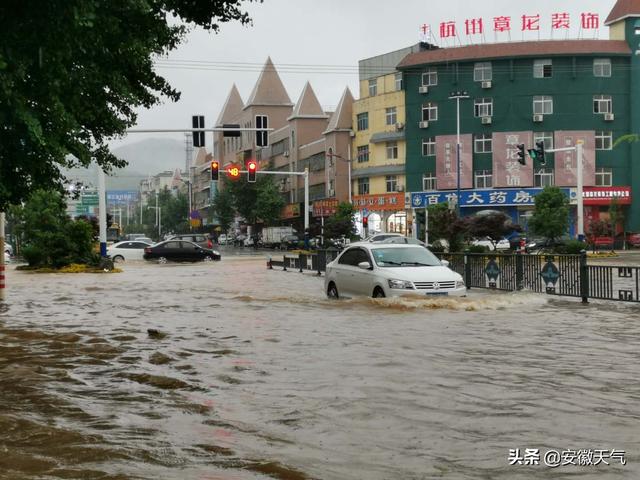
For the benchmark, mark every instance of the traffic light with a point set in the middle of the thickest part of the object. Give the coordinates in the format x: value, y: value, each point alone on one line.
x: 215, y: 170
x: 538, y: 153
x: 365, y: 222
x: 521, y: 154
x: 252, y: 169
x: 233, y: 171
x: 197, y: 121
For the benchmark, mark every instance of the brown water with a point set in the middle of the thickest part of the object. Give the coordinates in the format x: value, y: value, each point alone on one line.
x: 255, y: 375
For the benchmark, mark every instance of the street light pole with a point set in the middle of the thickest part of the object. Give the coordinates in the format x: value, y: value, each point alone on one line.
x: 458, y: 96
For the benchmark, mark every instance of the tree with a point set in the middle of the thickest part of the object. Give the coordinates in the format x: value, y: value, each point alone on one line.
x: 341, y: 223
x: 223, y: 206
x: 252, y: 201
x: 73, y: 74
x: 550, y: 217
x: 494, y: 226
x: 444, y: 224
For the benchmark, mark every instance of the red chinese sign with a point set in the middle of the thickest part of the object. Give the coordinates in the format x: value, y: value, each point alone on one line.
x: 503, y: 23
x: 447, y: 162
x: 325, y: 207
x: 376, y: 203
x: 605, y: 195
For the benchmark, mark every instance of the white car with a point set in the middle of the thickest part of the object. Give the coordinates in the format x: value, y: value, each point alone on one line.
x: 222, y: 239
x: 390, y: 270
x: 7, y: 257
x: 127, y: 250
x: 380, y: 237
x: 503, y: 244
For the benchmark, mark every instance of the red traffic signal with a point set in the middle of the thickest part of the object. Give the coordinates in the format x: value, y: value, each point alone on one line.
x: 233, y: 171
x: 215, y: 170
x: 365, y: 222
x: 252, y: 169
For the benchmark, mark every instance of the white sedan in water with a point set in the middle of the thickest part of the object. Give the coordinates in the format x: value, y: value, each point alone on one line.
x: 127, y: 250
x: 390, y: 270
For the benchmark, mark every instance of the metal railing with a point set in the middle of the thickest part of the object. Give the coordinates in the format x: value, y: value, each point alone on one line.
x: 553, y: 274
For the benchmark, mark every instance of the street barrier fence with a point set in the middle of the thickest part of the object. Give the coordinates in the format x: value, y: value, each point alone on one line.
x: 563, y: 275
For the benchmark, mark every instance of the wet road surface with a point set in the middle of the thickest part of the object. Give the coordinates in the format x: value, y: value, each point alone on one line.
x: 253, y: 374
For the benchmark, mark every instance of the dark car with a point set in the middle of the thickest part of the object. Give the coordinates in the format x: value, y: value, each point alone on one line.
x: 289, y: 242
x: 197, y: 238
x: 179, y: 251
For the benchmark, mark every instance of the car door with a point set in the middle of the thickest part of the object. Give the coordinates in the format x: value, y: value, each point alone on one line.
x: 344, y: 272
x: 362, y: 279
x: 170, y: 250
x: 136, y: 250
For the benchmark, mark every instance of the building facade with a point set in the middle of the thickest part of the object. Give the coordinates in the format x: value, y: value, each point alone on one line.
x: 557, y: 92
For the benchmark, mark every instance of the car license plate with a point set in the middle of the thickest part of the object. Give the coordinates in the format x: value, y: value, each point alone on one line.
x: 437, y: 293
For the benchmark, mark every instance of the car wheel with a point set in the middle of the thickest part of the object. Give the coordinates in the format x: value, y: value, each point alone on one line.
x: 332, y: 291
x: 162, y: 260
x: 118, y: 259
x: 378, y: 293
x: 208, y: 259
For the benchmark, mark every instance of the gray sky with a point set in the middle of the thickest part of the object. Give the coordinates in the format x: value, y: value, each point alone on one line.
x: 321, y: 41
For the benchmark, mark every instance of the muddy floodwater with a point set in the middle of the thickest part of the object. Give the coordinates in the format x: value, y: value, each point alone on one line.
x: 253, y: 374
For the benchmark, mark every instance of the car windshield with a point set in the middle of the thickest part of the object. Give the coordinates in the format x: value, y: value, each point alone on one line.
x: 404, y: 257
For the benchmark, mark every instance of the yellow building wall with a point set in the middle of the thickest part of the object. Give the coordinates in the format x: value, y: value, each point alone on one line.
x: 616, y: 31
x: 387, y: 96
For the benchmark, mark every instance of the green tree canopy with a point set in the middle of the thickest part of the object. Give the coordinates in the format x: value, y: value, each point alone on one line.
x: 493, y: 225
x: 341, y: 223
x: 72, y: 74
x: 252, y: 201
x: 550, y: 217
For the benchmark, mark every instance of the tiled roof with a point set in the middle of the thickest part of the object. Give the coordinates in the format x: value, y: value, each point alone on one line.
x: 516, y: 49
x: 341, y: 118
x: 308, y: 105
x: 269, y: 89
x: 623, y: 8
x: 232, y: 108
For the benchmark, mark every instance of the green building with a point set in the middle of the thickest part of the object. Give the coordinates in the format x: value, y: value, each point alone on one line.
x: 556, y: 92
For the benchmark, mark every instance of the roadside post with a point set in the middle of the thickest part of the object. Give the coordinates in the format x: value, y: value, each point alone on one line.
x: 2, y: 265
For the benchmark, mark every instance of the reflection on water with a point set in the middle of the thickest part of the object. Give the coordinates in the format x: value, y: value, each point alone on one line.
x: 253, y: 374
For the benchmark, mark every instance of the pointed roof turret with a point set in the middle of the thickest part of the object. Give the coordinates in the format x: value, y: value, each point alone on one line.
x: 341, y: 118
x: 269, y: 89
x: 308, y: 105
x: 623, y: 9
x: 232, y: 107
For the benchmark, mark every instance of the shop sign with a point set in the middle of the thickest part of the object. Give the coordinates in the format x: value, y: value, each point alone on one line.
x: 122, y: 197
x: 376, y: 203
x: 480, y: 198
x: 291, y: 210
x: 325, y: 207
x: 603, y: 195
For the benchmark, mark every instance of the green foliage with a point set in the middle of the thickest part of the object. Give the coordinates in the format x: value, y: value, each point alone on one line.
x: 628, y: 138
x: 573, y: 247
x: 50, y: 237
x: 223, y: 206
x: 494, y: 226
x: 444, y: 223
x: 477, y: 249
x: 174, y: 210
x: 73, y: 74
x: 599, y: 228
x: 550, y: 218
x: 341, y: 223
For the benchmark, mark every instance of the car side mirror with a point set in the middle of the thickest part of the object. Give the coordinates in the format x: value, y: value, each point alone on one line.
x: 445, y: 263
x: 364, y: 265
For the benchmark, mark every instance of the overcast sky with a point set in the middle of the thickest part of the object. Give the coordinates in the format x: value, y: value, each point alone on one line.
x: 321, y: 41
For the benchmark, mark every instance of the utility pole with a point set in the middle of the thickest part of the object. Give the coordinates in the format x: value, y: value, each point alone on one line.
x: 457, y: 96
x: 2, y: 265
x: 102, y: 207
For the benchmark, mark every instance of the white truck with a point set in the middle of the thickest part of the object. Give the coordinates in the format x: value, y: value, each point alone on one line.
x: 272, y: 236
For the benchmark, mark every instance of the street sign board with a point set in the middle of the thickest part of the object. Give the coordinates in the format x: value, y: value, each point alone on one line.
x: 89, y: 199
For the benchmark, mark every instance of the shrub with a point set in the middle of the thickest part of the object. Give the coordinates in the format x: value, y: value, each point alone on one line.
x: 478, y: 249
x: 574, y: 247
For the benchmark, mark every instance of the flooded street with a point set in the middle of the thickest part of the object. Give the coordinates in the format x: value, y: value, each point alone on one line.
x: 254, y: 374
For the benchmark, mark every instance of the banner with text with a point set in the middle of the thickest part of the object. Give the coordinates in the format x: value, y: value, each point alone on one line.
x: 566, y: 165
x: 507, y: 171
x: 480, y: 198
x: 446, y: 162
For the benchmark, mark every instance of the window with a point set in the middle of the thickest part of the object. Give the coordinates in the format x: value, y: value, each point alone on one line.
x: 429, y: 147
x: 354, y: 256
x: 604, y: 140
x: 373, y: 87
x: 542, y: 105
x: 363, y: 186
x: 262, y: 138
x: 392, y: 117
x: 482, y: 71
x: 430, y: 77
x: 398, y: 80
x: 293, y: 138
x: 392, y: 150
x: 428, y: 182
x: 392, y: 183
x: 604, y: 177
x: 542, y: 69
x: 546, y: 137
x: 363, y: 121
x: 363, y: 153
x: 483, y: 143
x: 482, y: 178
x: 601, y: 67
x: 602, y: 104
x: 543, y: 177
x: 483, y: 107
x: 429, y: 112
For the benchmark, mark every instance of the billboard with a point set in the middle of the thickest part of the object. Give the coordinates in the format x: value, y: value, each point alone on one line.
x: 446, y: 162
x: 122, y: 197
x: 565, y: 162
x: 507, y: 171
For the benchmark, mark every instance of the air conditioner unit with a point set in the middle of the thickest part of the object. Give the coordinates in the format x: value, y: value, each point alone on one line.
x: 486, y: 120
x: 352, y: 134
x: 423, y: 89
x: 538, y: 118
x: 486, y: 84
x: 399, y: 188
x: 608, y: 117
x: 285, y: 153
x: 399, y: 126
x: 423, y: 124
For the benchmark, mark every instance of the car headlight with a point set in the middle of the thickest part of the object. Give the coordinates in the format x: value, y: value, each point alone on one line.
x: 400, y: 284
x: 460, y: 284
x: 215, y: 252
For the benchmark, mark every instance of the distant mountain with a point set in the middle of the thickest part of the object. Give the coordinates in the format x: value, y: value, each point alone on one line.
x: 146, y: 158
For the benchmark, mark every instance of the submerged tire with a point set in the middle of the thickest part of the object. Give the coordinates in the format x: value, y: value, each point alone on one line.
x: 378, y: 293
x: 332, y: 291
x: 162, y: 260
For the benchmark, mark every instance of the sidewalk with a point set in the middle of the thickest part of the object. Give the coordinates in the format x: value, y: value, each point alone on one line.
x: 629, y: 258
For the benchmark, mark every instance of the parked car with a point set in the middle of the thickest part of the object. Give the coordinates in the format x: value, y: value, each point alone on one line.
x: 179, y: 251
x: 389, y: 270
x: 199, y: 238
x: 289, y: 242
x: 633, y: 240
x: 380, y: 237
x: 543, y: 245
x: 134, y: 236
x: 404, y: 240
x: 503, y: 244
x: 238, y: 240
x: 222, y: 239
x: 127, y: 250
x: 145, y: 239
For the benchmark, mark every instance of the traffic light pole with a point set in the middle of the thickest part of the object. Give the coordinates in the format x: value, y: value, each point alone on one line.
x: 579, y: 149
